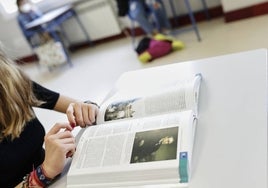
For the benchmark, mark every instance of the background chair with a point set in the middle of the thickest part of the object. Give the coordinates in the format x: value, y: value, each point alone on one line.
x: 191, y: 16
x: 172, y: 5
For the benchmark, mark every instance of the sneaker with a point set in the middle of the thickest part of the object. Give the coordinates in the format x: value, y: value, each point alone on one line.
x: 160, y: 36
x: 145, y: 57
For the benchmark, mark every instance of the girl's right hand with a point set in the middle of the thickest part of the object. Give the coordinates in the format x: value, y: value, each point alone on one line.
x: 59, y: 143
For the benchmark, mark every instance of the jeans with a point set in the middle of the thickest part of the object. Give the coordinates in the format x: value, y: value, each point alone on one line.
x: 147, y: 16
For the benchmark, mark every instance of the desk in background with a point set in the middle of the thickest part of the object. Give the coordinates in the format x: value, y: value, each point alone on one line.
x: 54, y: 19
x: 231, y: 137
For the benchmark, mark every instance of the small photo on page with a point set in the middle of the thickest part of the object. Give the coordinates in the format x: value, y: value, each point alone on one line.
x: 120, y: 110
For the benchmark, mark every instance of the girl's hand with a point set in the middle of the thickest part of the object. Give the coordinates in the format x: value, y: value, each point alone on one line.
x: 59, y: 141
x: 82, y: 114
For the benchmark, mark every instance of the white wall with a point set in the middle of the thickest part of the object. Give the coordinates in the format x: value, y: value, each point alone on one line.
x: 11, y: 36
x: 230, y: 5
x: 196, y: 5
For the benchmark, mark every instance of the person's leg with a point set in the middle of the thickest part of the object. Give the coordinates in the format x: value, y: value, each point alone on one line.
x: 137, y: 12
x: 159, y: 14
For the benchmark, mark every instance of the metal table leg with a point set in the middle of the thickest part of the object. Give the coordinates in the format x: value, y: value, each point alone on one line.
x: 82, y: 27
x: 188, y: 6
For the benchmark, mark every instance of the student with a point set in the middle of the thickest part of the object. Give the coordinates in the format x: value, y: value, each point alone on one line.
x: 23, y: 161
x: 35, y: 36
x: 28, y: 13
x: 141, y: 10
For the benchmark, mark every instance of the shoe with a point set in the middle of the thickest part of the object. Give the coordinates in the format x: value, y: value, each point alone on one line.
x: 160, y: 36
x: 177, y: 45
x: 145, y: 57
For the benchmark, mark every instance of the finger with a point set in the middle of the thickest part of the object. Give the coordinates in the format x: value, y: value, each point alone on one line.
x: 70, y: 147
x: 78, y: 115
x: 57, y: 127
x: 70, y: 153
x: 93, y: 115
x: 67, y: 141
x: 86, y: 114
x: 63, y: 135
x: 72, y: 127
x: 70, y: 114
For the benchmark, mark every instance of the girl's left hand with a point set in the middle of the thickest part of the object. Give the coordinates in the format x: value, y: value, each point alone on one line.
x: 82, y: 114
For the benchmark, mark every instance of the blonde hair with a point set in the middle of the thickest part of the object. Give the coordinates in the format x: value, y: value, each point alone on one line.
x: 16, y: 99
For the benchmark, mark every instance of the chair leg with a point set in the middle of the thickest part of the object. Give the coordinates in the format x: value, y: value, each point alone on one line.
x: 133, y: 33
x: 82, y: 28
x: 188, y: 6
x: 205, y: 8
x: 174, y: 13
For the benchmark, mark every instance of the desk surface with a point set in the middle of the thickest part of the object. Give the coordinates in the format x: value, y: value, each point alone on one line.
x: 231, y: 138
x: 49, y: 16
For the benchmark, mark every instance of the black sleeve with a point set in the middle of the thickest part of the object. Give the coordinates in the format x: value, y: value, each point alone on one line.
x: 49, y: 97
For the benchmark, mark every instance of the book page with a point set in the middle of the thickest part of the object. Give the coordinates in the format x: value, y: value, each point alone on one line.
x: 127, y: 104
x: 119, y: 150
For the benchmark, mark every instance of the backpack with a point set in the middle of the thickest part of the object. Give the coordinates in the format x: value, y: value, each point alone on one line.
x: 158, y: 46
x: 123, y: 7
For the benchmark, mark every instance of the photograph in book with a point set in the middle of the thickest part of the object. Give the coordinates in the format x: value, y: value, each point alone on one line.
x: 120, y: 110
x: 178, y: 96
x: 155, y: 145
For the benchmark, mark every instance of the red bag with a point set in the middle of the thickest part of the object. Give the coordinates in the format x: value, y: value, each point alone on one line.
x: 152, y: 48
x: 159, y: 48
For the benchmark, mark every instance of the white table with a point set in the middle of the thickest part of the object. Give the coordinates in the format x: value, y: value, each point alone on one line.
x: 47, y: 17
x: 56, y: 17
x: 230, y: 149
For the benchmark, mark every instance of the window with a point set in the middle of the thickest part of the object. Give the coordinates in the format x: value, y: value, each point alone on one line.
x: 10, y: 6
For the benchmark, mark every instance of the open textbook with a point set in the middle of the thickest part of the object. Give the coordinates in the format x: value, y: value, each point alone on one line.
x: 142, y: 138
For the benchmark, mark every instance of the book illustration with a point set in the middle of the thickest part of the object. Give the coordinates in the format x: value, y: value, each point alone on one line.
x: 155, y: 145
x: 119, y: 110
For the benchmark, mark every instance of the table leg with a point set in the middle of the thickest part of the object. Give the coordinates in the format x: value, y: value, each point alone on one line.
x: 82, y: 27
x: 174, y: 13
x: 205, y: 8
x: 192, y: 19
x: 188, y: 6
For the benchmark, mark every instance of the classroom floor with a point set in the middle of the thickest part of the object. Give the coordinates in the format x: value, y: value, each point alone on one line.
x: 95, y: 70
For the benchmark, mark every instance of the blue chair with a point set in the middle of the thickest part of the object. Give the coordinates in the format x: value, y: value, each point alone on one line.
x: 176, y: 31
x: 150, y: 20
x: 205, y: 9
x: 191, y: 15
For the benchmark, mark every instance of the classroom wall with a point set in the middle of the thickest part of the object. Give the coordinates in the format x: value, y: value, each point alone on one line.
x: 230, y: 5
x: 12, y: 38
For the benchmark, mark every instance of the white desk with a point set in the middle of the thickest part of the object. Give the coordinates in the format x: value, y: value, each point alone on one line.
x: 231, y: 137
x: 56, y: 17
x: 48, y: 16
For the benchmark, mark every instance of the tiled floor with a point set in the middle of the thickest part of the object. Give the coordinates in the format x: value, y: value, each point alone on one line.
x: 95, y: 70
